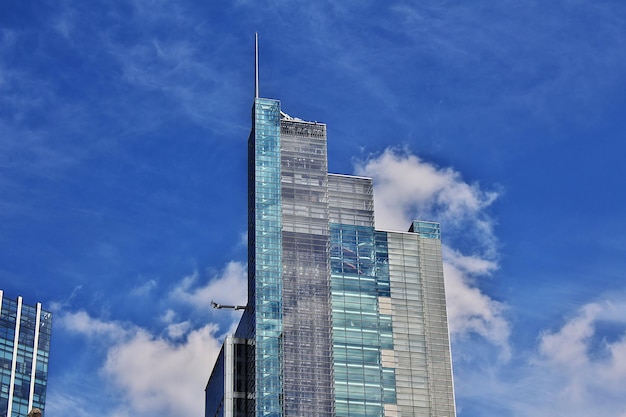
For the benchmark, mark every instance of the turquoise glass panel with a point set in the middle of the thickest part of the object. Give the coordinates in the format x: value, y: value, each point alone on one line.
x: 429, y: 230
x: 268, y: 258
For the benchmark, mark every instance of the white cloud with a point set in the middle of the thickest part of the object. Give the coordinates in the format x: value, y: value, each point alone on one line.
x: 81, y: 322
x: 243, y: 239
x: 151, y: 374
x: 473, y: 265
x: 472, y: 311
x: 407, y: 188
x: 168, y: 316
x: 568, y: 346
x: 577, y: 349
x: 163, y: 371
x: 574, y: 369
x: 145, y: 288
x: 178, y: 330
x: 229, y: 287
x: 615, y: 370
x: 159, y: 376
x: 571, y: 371
x: 587, y: 372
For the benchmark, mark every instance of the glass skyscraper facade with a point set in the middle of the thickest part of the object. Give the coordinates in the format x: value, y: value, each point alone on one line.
x: 24, y: 348
x: 342, y: 319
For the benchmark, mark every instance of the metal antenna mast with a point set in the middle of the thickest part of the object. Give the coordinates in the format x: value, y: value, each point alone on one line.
x: 256, y: 65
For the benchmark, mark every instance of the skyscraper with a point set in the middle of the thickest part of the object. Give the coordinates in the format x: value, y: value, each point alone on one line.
x: 24, y: 348
x: 342, y: 319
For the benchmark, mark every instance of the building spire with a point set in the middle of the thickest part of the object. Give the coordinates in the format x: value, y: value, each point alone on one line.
x: 256, y: 65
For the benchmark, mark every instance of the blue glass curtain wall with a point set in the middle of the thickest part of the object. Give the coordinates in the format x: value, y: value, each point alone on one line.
x: 361, y: 330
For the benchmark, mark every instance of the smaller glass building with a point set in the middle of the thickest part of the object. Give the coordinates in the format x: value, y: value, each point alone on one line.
x: 24, y: 349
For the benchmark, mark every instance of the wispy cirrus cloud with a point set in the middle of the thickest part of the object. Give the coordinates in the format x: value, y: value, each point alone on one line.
x: 521, y: 63
x: 177, y: 65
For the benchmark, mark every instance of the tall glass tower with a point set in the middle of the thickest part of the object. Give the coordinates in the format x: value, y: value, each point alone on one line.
x: 24, y: 347
x: 342, y: 319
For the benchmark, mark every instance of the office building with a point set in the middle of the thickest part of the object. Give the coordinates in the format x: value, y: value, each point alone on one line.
x: 342, y: 319
x: 24, y: 348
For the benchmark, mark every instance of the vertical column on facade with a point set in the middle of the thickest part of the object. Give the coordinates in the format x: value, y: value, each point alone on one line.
x: 43, y: 352
x: 267, y: 259
x: 35, y: 353
x: 307, y: 351
x: 18, y: 319
x: 437, y: 336
x: 385, y: 312
x: 229, y: 361
x: 409, y: 336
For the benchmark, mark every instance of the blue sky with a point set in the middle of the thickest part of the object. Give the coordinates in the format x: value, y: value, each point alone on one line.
x: 123, y: 129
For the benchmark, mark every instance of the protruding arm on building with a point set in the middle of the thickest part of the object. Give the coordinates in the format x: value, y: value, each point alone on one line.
x: 227, y: 307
